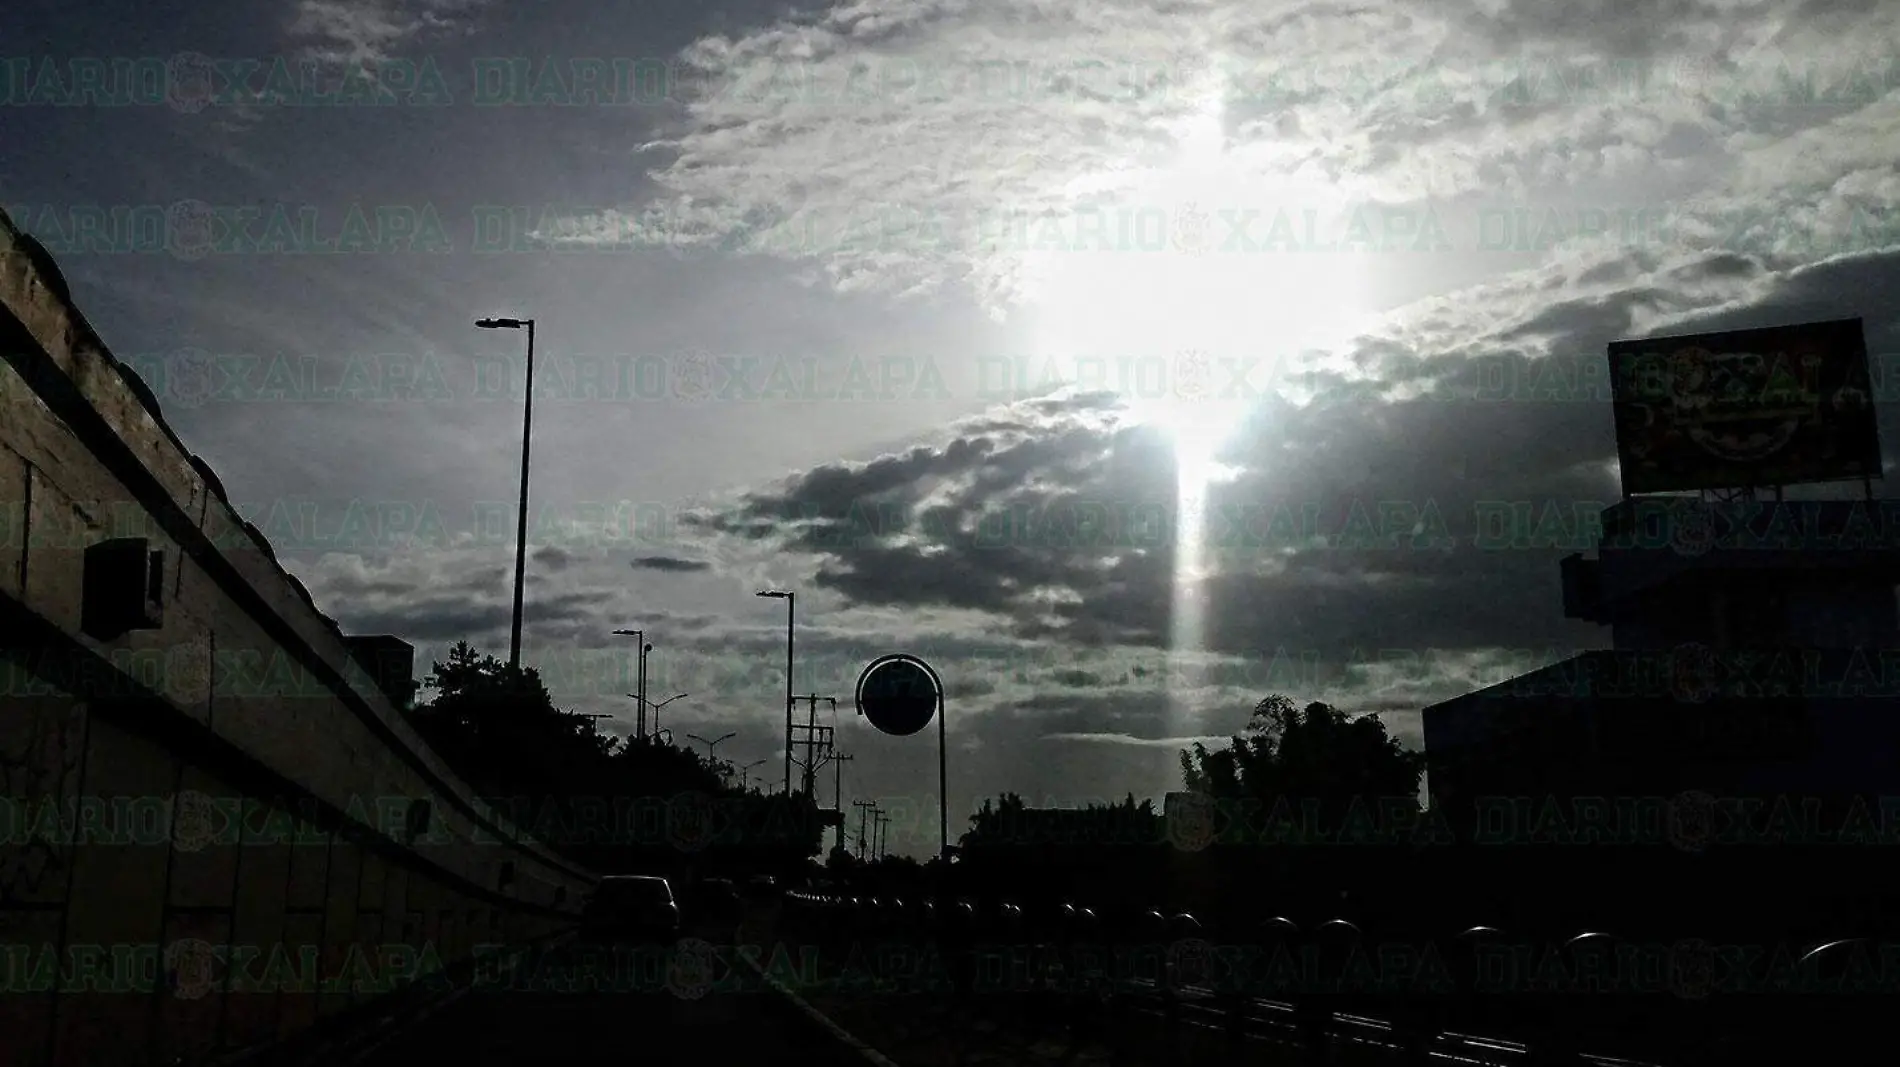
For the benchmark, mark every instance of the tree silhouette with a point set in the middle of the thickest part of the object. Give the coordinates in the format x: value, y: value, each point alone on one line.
x: 1102, y: 854
x: 1316, y: 753
x: 499, y: 726
x: 1306, y: 776
x: 641, y: 805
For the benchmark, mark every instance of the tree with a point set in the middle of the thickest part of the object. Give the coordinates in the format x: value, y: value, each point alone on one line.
x: 1318, y: 753
x: 1091, y: 854
x: 499, y: 726
x: 1308, y: 773
x: 635, y: 806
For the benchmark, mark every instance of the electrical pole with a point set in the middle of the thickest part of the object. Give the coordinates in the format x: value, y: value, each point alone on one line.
x: 865, y: 807
x: 837, y: 794
x: 817, y: 743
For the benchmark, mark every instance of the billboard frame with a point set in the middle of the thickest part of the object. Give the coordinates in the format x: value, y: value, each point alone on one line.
x: 1830, y: 434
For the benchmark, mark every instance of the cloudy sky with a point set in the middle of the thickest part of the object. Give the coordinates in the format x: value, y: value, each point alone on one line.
x: 1129, y: 361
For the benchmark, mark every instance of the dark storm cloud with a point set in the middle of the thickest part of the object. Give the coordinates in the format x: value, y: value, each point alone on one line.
x: 1347, y: 467
x: 670, y: 563
x: 466, y: 616
x: 1357, y: 522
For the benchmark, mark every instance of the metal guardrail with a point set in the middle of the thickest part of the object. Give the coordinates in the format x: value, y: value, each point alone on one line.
x: 1696, y: 1021
x: 1277, y: 1020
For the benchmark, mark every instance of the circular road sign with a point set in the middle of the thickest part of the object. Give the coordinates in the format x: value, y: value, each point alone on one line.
x: 898, y: 695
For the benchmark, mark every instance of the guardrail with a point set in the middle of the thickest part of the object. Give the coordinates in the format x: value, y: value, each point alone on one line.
x: 1478, y: 995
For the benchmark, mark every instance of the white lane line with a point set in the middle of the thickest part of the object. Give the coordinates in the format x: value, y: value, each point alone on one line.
x: 846, y: 1037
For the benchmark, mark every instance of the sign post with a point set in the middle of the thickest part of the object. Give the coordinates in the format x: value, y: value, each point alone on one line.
x: 900, y: 694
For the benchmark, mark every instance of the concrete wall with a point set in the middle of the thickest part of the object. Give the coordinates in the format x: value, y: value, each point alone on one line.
x: 202, y: 826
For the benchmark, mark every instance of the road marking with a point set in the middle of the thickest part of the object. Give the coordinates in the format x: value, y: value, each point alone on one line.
x: 876, y: 1058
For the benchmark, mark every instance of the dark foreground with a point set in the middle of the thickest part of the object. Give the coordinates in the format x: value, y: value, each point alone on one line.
x: 693, y: 1004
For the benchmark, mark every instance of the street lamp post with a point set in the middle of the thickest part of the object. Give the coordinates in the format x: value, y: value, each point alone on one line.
x: 714, y: 743
x: 791, y: 602
x: 745, y: 772
x: 645, y: 647
x: 645, y: 704
x: 521, y: 526
x: 640, y: 680
x: 664, y: 703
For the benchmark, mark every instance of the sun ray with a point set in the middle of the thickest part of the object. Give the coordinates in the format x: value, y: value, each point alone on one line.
x: 1167, y: 299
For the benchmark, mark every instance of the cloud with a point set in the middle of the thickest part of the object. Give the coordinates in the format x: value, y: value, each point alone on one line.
x: 1419, y: 500
x: 1014, y: 123
x: 365, y: 32
x: 1172, y: 743
x: 552, y: 557
x: 670, y: 563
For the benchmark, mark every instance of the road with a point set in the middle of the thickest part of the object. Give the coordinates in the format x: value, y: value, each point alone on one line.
x: 657, y: 1010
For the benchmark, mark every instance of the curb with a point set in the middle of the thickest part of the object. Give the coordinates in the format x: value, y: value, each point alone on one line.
x: 845, y: 1037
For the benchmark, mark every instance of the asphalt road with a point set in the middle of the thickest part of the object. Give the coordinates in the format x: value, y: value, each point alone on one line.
x: 656, y: 1008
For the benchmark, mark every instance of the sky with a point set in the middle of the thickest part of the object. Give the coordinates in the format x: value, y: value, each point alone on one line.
x: 1128, y: 362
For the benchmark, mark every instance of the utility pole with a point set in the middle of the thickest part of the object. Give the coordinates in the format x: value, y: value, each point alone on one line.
x: 816, y: 742
x: 865, y: 807
x: 837, y: 794
x: 883, y: 838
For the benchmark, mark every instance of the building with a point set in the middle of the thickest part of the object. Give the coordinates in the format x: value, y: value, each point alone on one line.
x: 1746, y: 696
x: 1752, y: 650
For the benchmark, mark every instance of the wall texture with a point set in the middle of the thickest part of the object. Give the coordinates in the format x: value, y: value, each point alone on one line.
x: 218, y: 831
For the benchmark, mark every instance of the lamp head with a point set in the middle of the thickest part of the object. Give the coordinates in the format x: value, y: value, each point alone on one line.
x: 501, y: 324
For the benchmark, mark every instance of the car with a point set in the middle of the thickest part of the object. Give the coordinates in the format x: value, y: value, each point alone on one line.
x: 631, y: 908
x: 718, y: 900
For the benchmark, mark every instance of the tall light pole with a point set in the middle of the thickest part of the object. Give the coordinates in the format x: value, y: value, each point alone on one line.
x: 714, y: 743
x: 644, y: 704
x: 745, y: 780
x: 645, y: 647
x: 521, y: 526
x: 791, y: 602
x: 640, y: 682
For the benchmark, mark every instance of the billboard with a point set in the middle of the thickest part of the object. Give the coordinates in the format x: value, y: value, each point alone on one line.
x: 1744, y: 408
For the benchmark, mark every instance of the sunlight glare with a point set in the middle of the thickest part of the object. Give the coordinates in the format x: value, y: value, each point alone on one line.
x: 1184, y: 295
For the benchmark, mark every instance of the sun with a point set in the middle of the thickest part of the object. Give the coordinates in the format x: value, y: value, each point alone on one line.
x: 1196, y: 431
x: 1167, y: 297
x: 1176, y: 295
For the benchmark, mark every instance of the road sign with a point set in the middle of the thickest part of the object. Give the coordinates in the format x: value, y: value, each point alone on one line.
x: 898, y: 695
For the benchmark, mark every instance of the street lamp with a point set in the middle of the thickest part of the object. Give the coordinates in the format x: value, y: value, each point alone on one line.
x: 745, y: 774
x: 791, y: 603
x: 645, y: 703
x: 641, y: 683
x: 710, y: 745
x: 521, y: 526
